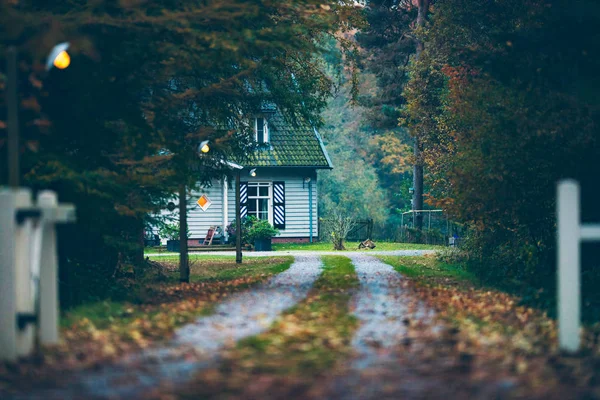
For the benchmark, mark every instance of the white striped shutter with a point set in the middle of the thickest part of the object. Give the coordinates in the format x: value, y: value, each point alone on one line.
x: 243, y: 199
x: 279, y: 205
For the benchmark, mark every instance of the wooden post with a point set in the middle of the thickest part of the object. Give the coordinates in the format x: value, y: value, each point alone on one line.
x: 238, y: 220
x: 569, y: 296
x: 12, y: 105
x: 184, y: 266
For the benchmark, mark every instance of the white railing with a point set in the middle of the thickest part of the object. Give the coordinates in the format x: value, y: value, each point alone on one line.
x: 570, y: 234
x: 28, y: 270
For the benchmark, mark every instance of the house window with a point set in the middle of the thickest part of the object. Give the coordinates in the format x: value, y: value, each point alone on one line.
x: 261, y: 128
x: 259, y: 200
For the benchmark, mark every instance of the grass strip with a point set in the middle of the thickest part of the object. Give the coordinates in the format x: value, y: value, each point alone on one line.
x: 428, y: 269
x: 307, y: 341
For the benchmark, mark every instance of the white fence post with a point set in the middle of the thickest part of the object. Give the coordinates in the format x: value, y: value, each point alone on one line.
x: 48, y: 295
x: 8, y: 289
x: 25, y: 304
x: 571, y: 232
x: 569, y: 289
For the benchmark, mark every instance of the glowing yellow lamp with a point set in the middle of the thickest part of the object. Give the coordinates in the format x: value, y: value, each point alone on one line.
x: 204, y: 147
x: 62, y: 60
x: 59, y: 57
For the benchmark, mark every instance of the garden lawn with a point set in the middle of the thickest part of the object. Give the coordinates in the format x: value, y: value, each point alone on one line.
x: 304, y: 344
x: 353, y: 246
x: 224, y: 268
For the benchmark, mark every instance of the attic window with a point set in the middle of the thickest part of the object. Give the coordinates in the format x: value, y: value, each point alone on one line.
x: 261, y: 128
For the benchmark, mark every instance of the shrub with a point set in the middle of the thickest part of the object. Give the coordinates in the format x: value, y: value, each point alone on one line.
x: 336, y: 227
x: 452, y: 255
x: 261, y: 229
x: 247, y: 222
x: 171, y: 231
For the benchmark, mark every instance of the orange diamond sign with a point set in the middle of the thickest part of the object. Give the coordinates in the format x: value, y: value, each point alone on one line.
x: 204, y: 202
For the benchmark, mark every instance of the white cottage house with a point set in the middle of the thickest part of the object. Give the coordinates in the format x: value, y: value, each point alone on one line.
x: 277, y: 184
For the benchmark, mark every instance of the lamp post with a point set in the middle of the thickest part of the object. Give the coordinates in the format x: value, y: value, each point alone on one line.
x: 13, y: 117
x: 184, y: 266
x: 58, y: 58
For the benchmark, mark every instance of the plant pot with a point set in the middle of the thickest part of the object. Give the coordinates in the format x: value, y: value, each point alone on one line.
x: 262, y: 244
x: 173, y: 245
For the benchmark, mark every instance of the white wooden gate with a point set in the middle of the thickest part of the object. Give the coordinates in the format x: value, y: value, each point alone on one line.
x: 571, y: 232
x: 28, y: 270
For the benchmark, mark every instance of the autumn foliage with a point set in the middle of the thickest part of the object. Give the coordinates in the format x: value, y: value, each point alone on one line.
x: 502, y: 102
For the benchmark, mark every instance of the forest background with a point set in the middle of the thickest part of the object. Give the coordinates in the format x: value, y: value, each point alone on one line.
x: 502, y: 99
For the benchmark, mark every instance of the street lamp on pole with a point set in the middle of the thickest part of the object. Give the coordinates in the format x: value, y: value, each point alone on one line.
x: 184, y: 268
x: 58, y: 58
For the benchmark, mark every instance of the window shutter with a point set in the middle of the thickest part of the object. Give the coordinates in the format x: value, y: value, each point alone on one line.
x: 279, y: 205
x: 243, y: 199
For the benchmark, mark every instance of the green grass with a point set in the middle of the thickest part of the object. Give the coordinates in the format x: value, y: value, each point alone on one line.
x: 224, y: 268
x: 425, y: 268
x: 325, y: 311
x: 338, y: 274
x: 205, y: 270
x: 102, y: 314
x: 352, y: 246
x: 175, y: 257
x: 308, y: 340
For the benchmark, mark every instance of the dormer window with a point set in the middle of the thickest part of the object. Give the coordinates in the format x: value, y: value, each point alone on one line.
x: 261, y: 128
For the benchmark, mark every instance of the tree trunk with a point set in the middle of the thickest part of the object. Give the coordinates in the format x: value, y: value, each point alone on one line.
x: 418, y: 167
x: 418, y: 185
x: 139, y: 254
x: 184, y: 266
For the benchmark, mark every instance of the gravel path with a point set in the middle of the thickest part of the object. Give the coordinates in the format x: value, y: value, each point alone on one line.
x: 195, y: 346
x: 385, y: 309
x: 249, y: 313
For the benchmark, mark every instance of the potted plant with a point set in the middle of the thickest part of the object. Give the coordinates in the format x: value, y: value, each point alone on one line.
x: 247, y: 222
x: 261, y: 233
x: 171, y: 232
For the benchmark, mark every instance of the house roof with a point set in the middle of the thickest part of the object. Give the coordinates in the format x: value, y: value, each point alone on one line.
x: 291, y: 144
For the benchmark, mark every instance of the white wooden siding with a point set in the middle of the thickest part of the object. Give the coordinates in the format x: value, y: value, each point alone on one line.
x: 296, y: 204
x: 199, y: 221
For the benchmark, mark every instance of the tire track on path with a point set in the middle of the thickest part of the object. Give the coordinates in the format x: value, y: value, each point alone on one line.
x: 385, y: 307
x: 195, y: 346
